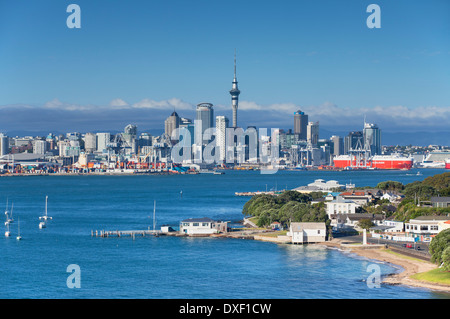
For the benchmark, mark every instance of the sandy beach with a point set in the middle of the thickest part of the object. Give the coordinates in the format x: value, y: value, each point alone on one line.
x: 410, y: 266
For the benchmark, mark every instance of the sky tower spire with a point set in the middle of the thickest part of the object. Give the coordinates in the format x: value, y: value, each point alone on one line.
x: 235, y: 94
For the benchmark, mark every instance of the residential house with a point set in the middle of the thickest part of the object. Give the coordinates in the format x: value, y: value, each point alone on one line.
x: 302, y: 233
x: 393, y: 198
x: 442, y: 202
x: 396, y: 226
x: 354, y: 219
x: 359, y: 197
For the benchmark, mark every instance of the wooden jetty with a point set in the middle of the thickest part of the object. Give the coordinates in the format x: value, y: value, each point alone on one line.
x: 125, y: 233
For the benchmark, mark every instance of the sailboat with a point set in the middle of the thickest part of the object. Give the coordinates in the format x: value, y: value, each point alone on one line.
x: 9, y: 218
x: 18, y: 235
x: 154, y: 218
x: 7, y: 232
x: 44, y: 218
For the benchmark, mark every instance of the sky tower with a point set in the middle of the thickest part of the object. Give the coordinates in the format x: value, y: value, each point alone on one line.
x: 235, y: 94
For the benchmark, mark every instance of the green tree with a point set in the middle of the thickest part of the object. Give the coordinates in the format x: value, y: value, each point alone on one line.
x: 445, y: 192
x: 438, y: 245
x: 446, y: 259
x: 438, y: 181
x: 390, y: 186
x: 365, y: 224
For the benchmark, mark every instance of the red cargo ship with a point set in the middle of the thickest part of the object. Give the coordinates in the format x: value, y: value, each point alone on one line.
x: 374, y: 162
x: 447, y: 163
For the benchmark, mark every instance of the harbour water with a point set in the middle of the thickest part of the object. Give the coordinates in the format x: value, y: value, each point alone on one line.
x: 173, y: 267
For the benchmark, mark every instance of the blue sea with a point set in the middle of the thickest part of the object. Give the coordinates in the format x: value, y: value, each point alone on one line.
x: 173, y: 267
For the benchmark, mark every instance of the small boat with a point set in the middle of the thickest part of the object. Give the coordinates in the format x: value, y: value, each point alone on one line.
x: 42, y: 225
x: 7, y: 232
x: 18, y: 234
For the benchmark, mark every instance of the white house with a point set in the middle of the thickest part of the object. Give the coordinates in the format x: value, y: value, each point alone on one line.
x: 391, y: 197
x: 202, y: 226
x: 359, y: 197
x: 424, y: 225
x: 394, y: 226
x: 341, y: 206
x: 302, y: 233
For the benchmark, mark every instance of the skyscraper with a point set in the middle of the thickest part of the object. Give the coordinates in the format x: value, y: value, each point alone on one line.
x: 235, y: 95
x: 171, y: 123
x: 372, y: 138
x: 130, y: 136
x: 205, y: 114
x: 338, y: 145
x: 312, y: 135
x: 300, y: 125
x: 90, y: 142
x: 221, y: 133
x: 4, y: 144
x: 103, y: 139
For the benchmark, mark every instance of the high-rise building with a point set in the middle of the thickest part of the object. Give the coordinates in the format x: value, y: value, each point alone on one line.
x: 190, y: 127
x: 4, y: 144
x: 235, y: 95
x: 204, y: 118
x: 300, y: 125
x: 39, y: 147
x: 338, y: 145
x: 103, y: 139
x: 171, y: 123
x: 90, y: 142
x: 312, y: 135
x: 372, y: 138
x: 130, y: 136
x: 221, y: 132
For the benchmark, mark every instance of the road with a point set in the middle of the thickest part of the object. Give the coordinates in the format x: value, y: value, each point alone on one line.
x: 419, y: 250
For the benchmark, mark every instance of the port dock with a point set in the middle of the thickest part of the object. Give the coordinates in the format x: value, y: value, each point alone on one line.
x: 125, y: 233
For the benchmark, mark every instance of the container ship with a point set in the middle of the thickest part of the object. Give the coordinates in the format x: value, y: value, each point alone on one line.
x: 374, y: 162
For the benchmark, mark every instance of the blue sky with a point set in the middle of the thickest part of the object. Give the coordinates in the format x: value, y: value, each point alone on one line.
x: 145, y: 58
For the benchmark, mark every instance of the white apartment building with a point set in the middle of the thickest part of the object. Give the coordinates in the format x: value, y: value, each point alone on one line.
x: 39, y: 147
x: 221, y: 133
x: 102, y: 141
x: 341, y: 206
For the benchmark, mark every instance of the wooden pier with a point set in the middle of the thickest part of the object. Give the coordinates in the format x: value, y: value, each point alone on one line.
x: 125, y: 233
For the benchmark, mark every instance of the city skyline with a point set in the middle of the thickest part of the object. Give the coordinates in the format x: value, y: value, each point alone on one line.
x: 87, y: 79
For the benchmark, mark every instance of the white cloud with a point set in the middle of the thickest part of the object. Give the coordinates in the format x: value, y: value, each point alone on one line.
x: 331, y: 114
x: 170, y: 104
x: 56, y: 104
x: 118, y: 103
